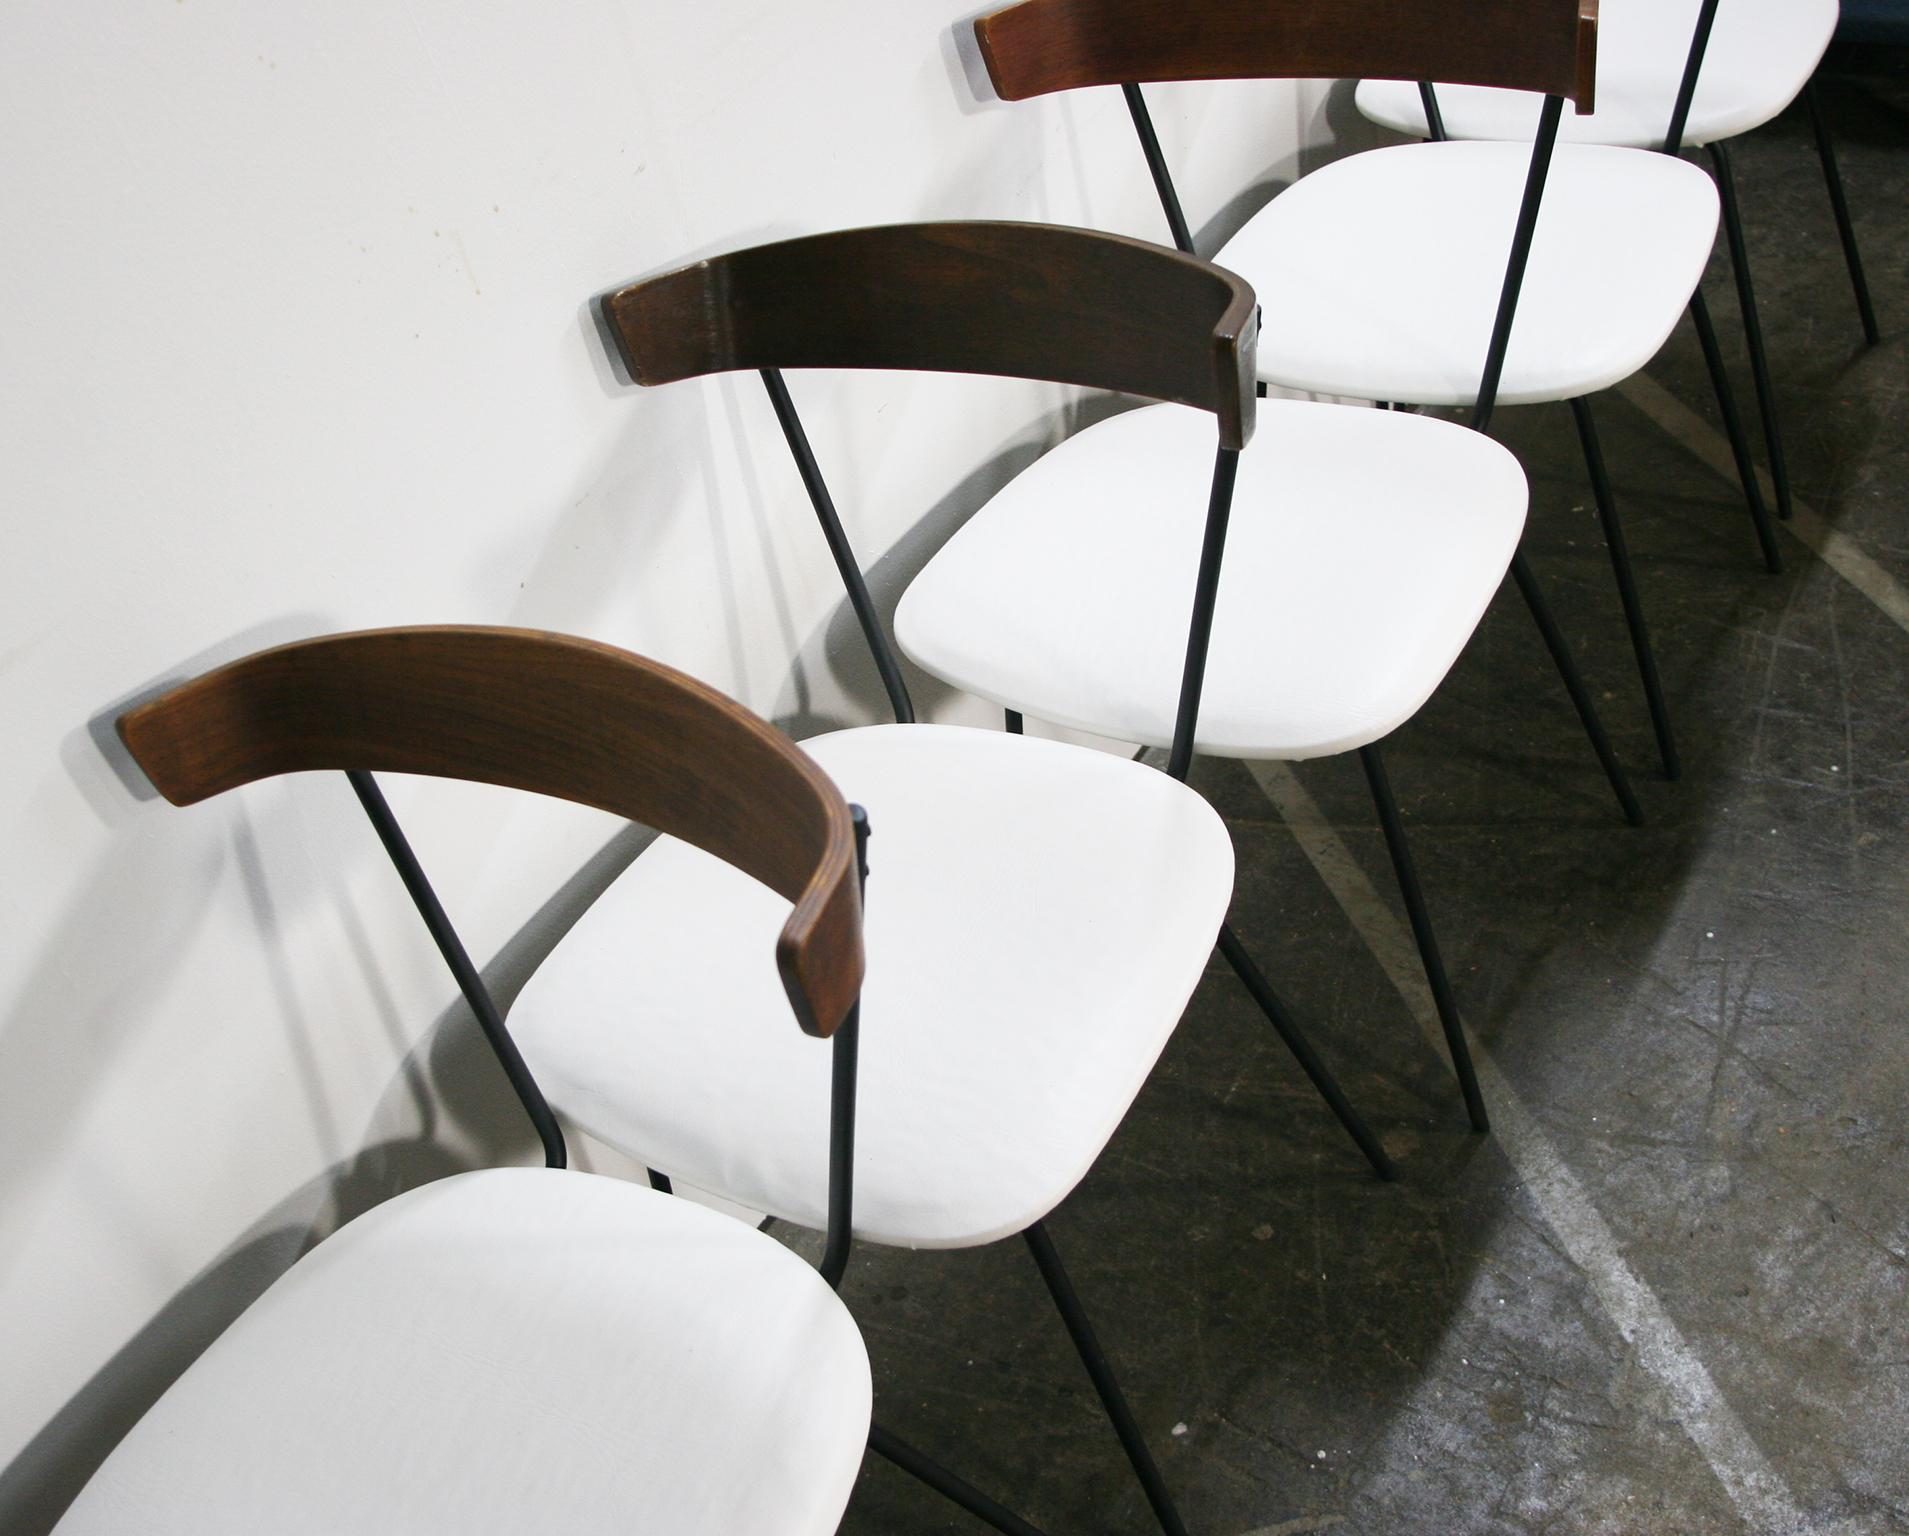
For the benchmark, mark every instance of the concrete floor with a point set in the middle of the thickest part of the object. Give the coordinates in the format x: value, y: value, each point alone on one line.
x: 1668, y: 1294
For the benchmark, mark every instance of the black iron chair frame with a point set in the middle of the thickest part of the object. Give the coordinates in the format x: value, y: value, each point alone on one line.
x: 844, y: 1044
x: 1234, y: 428
x: 1605, y: 500
x: 1039, y: 1243
x: 1732, y: 218
x: 1726, y: 406
x: 1753, y: 331
x: 1723, y: 168
x: 1379, y: 785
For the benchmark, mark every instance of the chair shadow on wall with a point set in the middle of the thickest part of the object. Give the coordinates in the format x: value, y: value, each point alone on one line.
x: 836, y: 648
x: 447, y: 1109
x: 119, y: 937
x: 1348, y: 132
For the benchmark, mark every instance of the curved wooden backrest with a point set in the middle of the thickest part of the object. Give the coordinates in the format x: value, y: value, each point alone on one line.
x: 547, y: 713
x: 1040, y: 46
x: 1028, y: 301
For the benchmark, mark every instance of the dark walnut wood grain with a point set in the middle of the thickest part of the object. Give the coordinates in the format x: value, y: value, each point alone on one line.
x: 547, y: 713
x: 1041, y: 46
x: 1030, y: 301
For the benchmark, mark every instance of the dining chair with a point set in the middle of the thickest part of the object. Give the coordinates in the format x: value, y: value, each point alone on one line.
x: 1676, y: 73
x: 518, y: 1349
x: 1045, y: 910
x: 1439, y: 275
x: 1364, y: 619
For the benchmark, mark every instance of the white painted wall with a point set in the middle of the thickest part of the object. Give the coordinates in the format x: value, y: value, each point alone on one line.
x: 293, y: 338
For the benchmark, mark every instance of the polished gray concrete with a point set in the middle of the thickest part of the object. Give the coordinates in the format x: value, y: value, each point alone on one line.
x: 1669, y: 1293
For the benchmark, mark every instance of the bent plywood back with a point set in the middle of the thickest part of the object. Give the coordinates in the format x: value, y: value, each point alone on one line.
x: 551, y: 714
x: 1039, y: 46
x: 1032, y: 301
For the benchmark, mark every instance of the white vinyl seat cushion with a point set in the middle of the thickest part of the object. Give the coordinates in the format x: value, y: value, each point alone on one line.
x: 1379, y: 275
x: 1362, y: 550
x: 1037, y: 916
x: 508, y: 1351
x: 1761, y: 55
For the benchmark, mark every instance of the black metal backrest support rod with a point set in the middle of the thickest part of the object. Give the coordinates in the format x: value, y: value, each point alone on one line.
x: 1206, y: 593
x: 1687, y: 87
x: 468, y: 981
x: 851, y: 573
x: 1220, y: 501
x: 1434, y: 119
x: 1157, y: 163
x: 841, y: 1218
x: 1520, y: 257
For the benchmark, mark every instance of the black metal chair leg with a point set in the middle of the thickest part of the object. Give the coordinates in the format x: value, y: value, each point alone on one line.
x: 1101, y: 1371
x: 1574, y: 685
x: 1282, y: 1021
x: 1422, y: 932
x: 1626, y: 585
x: 1833, y: 179
x: 945, y: 1483
x: 1733, y: 429
x: 1752, y: 327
